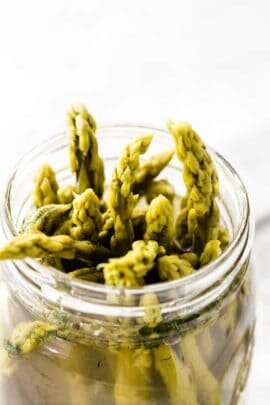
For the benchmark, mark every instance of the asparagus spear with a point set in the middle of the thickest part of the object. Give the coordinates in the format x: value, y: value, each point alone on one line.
x: 156, y: 187
x: 134, y: 372
x: 152, y: 314
x: 38, y: 245
x: 200, y: 178
x: 108, y: 227
x: 47, y: 218
x: 83, y: 150
x: 214, y: 231
x: 176, y: 375
x: 130, y: 270
x: 89, y: 274
x: 150, y: 169
x: 86, y: 217
x: 171, y: 267
x: 209, y: 392
x: 121, y: 198
x: 66, y: 194
x: 45, y: 187
x: 159, y: 221
x: 133, y: 377
x: 190, y: 257
x: 210, y: 252
x: 28, y: 336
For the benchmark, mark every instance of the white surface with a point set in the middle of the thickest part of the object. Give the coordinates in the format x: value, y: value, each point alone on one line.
x: 203, y: 61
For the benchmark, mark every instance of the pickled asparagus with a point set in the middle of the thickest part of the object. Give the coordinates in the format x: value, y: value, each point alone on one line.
x: 151, y: 169
x: 177, y: 376
x: 122, y: 200
x: 85, y: 161
x: 45, y: 187
x: 28, y: 336
x: 210, y: 252
x: 46, y: 219
x: 130, y: 270
x: 38, y: 245
x: 156, y: 187
x: 201, y: 180
x: 66, y: 194
x: 86, y: 217
x: 173, y: 267
x: 159, y: 221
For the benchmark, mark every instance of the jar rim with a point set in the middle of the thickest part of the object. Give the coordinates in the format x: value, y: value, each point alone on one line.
x: 185, y: 284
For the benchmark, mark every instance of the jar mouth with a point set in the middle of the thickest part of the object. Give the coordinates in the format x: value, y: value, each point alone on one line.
x: 211, y: 273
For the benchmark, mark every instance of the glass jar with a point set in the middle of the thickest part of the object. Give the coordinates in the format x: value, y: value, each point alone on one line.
x: 192, y: 344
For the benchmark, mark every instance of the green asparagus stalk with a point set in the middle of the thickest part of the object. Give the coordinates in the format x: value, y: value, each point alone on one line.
x: 214, y: 231
x: 130, y: 270
x: 176, y: 375
x: 134, y: 372
x: 64, y: 227
x: 86, y: 217
x: 199, y: 173
x: 66, y: 194
x: 226, y: 332
x: 89, y: 274
x: 28, y: 336
x: 209, y: 392
x: 47, y: 219
x: 156, y: 187
x: 201, y: 180
x: 108, y: 227
x: 210, y: 252
x: 38, y: 245
x: 172, y: 267
x: 190, y: 257
x: 152, y: 314
x: 45, y: 187
x: 83, y: 150
x: 133, y: 377
x: 159, y: 221
x: 133, y: 383
x: 121, y: 198
x: 150, y: 169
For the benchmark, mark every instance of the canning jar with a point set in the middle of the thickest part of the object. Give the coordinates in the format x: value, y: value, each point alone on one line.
x: 187, y: 341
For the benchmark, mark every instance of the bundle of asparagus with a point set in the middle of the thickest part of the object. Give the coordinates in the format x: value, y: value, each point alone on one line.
x: 132, y: 239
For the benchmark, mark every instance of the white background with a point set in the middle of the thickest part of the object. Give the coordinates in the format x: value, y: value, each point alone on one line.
x: 205, y: 61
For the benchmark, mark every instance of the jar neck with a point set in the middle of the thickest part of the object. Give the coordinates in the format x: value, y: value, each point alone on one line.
x: 48, y: 293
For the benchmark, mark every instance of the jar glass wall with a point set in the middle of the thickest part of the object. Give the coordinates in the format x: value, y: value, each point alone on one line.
x: 192, y: 342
